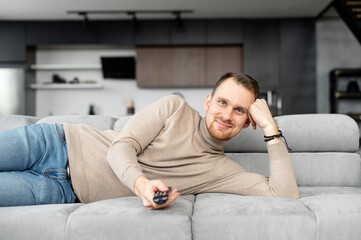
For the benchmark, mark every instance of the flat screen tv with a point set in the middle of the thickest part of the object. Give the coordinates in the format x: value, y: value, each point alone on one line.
x: 118, y: 67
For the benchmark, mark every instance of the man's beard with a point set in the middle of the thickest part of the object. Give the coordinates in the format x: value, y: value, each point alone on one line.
x: 219, y: 134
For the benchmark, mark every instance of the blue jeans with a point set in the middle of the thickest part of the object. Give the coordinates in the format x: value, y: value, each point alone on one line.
x: 33, y: 162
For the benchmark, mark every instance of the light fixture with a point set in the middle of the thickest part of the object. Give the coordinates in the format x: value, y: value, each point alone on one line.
x: 129, y: 12
x: 135, y: 20
x: 178, y: 21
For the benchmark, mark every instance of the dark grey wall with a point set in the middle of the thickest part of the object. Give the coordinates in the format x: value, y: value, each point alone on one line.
x: 279, y: 53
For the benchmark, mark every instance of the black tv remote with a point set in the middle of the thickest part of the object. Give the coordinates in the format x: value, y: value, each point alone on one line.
x: 161, y: 197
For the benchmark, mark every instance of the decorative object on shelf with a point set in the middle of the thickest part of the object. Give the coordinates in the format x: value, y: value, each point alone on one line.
x: 353, y: 86
x: 91, y: 109
x: 130, y: 107
x: 58, y: 79
x: 75, y: 81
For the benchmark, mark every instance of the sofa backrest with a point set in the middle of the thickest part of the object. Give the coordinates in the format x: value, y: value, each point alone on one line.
x: 324, y: 149
x: 324, y: 146
x: 13, y: 121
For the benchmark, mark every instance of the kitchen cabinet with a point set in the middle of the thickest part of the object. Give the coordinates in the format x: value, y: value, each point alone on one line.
x: 186, y: 66
x: 225, y: 31
x: 261, y: 52
x: 65, y: 32
x: 116, y: 32
x: 190, y: 32
x: 12, y: 43
x: 152, y: 32
x: 297, y: 66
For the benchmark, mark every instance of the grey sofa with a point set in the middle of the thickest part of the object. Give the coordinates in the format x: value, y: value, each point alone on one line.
x: 327, y: 167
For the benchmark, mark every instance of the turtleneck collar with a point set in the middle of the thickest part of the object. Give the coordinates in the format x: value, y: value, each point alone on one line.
x: 214, y: 144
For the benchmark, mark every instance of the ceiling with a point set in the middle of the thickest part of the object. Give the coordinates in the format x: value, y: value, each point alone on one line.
x: 57, y: 9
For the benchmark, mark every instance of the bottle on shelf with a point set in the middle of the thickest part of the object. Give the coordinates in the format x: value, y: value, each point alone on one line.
x: 130, y: 107
x: 91, y: 109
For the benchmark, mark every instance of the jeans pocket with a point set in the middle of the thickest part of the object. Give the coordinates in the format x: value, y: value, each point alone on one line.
x: 57, y: 174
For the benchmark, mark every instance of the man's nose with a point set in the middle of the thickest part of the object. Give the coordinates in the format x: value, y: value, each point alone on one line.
x: 227, y: 113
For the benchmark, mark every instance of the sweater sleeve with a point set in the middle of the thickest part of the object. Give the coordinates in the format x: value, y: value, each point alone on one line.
x: 281, y: 182
x: 136, y: 135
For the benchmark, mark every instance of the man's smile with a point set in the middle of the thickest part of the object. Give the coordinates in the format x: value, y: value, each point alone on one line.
x: 222, y: 124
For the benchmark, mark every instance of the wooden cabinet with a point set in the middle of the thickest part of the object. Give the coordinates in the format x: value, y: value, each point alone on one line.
x: 221, y: 60
x: 186, y: 66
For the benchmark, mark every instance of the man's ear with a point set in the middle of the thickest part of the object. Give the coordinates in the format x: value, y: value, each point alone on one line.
x: 207, y: 102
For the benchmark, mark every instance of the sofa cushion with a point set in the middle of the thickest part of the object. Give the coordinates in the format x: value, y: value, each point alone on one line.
x: 120, y: 123
x: 338, y: 216
x: 311, y: 169
x: 97, y: 121
x: 228, y: 216
x: 304, y: 133
x: 320, y: 132
x: 13, y: 121
x: 35, y: 222
x: 126, y: 218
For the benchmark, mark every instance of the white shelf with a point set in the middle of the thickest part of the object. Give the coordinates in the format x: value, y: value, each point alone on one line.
x: 50, y: 67
x: 67, y: 86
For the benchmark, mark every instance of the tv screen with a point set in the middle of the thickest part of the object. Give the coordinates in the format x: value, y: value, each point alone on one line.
x: 118, y: 67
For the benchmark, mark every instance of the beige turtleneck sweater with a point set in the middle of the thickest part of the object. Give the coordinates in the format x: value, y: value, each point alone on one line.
x: 167, y: 140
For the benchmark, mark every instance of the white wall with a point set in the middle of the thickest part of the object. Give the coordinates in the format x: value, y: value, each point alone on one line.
x: 110, y: 100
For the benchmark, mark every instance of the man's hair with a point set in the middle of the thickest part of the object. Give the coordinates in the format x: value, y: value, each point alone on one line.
x: 240, y: 78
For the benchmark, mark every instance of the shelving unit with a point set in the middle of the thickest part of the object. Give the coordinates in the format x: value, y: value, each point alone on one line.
x: 51, y: 67
x: 336, y: 95
x: 65, y: 67
x: 66, y: 86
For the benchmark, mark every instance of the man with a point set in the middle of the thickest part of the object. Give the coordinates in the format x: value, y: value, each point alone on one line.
x: 165, y: 144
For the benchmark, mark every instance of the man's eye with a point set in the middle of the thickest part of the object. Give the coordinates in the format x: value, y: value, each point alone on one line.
x: 238, y: 110
x: 222, y: 102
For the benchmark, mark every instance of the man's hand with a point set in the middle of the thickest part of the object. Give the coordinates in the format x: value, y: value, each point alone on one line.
x: 146, y: 189
x: 259, y: 114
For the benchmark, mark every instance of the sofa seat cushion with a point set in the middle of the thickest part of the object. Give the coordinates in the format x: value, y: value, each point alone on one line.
x: 127, y: 218
x: 338, y: 216
x: 35, y: 222
x: 228, y: 216
x: 314, y: 191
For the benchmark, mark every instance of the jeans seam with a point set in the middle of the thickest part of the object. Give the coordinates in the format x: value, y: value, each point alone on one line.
x: 60, y: 133
x: 46, y: 173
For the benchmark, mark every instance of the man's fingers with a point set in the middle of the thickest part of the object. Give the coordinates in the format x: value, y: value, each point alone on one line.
x: 253, y: 123
x: 159, y: 185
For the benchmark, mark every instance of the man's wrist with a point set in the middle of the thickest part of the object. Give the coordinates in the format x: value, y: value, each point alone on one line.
x: 139, y: 183
x: 270, y: 130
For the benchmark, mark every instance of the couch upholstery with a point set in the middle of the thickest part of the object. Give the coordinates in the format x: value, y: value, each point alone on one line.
x: 327, y: 168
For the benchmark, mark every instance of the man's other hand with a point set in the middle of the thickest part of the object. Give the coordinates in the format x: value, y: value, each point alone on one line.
x: 145, y: 189
x: 259, y: 114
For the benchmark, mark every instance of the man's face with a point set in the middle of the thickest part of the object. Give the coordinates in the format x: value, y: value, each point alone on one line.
x: 227, y: 110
